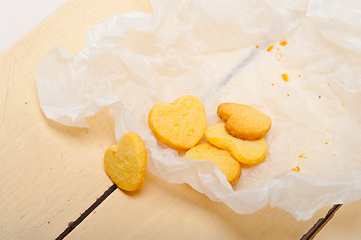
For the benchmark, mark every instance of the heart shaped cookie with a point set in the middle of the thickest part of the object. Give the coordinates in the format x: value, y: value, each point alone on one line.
x: 244, y: 122
x: 179, y: 125
x: 222, y: 158
x: 247, y: 152
x: 126, y: 163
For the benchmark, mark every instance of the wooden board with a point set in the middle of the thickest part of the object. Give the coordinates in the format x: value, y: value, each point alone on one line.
x: 161, y: 210
x: 51, y: 173
x: 344, y: 224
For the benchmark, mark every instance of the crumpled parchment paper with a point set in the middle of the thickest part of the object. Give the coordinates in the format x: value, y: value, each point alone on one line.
x: 219, y: 51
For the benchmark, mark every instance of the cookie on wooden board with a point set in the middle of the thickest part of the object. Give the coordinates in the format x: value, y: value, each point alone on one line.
x: 179, y: 125
x: 126, y: 163
x: 222, y: 158
x: 247, y: 152
x: 243, y: 121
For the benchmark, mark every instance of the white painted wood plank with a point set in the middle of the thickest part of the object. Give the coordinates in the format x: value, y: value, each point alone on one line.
x: 50, y: 173
x: 344, y: 224
x: 161, y: 210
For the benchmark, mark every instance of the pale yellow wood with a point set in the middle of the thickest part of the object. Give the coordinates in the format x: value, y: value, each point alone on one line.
x: 161, y: 210
x: 50, y: 173
x: 344, y: 225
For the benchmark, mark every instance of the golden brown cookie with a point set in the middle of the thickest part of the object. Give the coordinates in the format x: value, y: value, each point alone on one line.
x: 247, y: 152
x: 126, y: 163
x: 179, y: 125
x: 222, y: 158
x: 244, y: 122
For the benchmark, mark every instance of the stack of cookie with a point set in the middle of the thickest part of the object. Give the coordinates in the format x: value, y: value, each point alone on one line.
x: 181, y: 125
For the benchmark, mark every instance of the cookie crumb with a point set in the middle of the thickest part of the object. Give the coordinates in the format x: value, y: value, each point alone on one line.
x: 257, y: 46
x: 296, y: 169
x: 283, y: 43
x: 269, y: 48
x: 285, y: 76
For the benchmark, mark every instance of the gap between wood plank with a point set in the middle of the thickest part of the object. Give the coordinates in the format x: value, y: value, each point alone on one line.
x: 308, y: 236
x: 74, y: 224
x: 321, y: 223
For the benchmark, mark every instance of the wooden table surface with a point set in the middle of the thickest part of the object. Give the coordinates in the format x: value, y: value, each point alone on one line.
x: 51, y: 173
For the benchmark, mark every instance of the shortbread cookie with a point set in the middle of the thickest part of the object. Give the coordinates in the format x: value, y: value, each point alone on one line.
x: 179, y: 125
x: 222, y: 158
x: 244, y: 122
x: 247, y: 152
x: 126, y: 163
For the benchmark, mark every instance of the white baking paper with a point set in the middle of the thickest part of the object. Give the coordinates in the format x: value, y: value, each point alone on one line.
x: 217, y: 50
